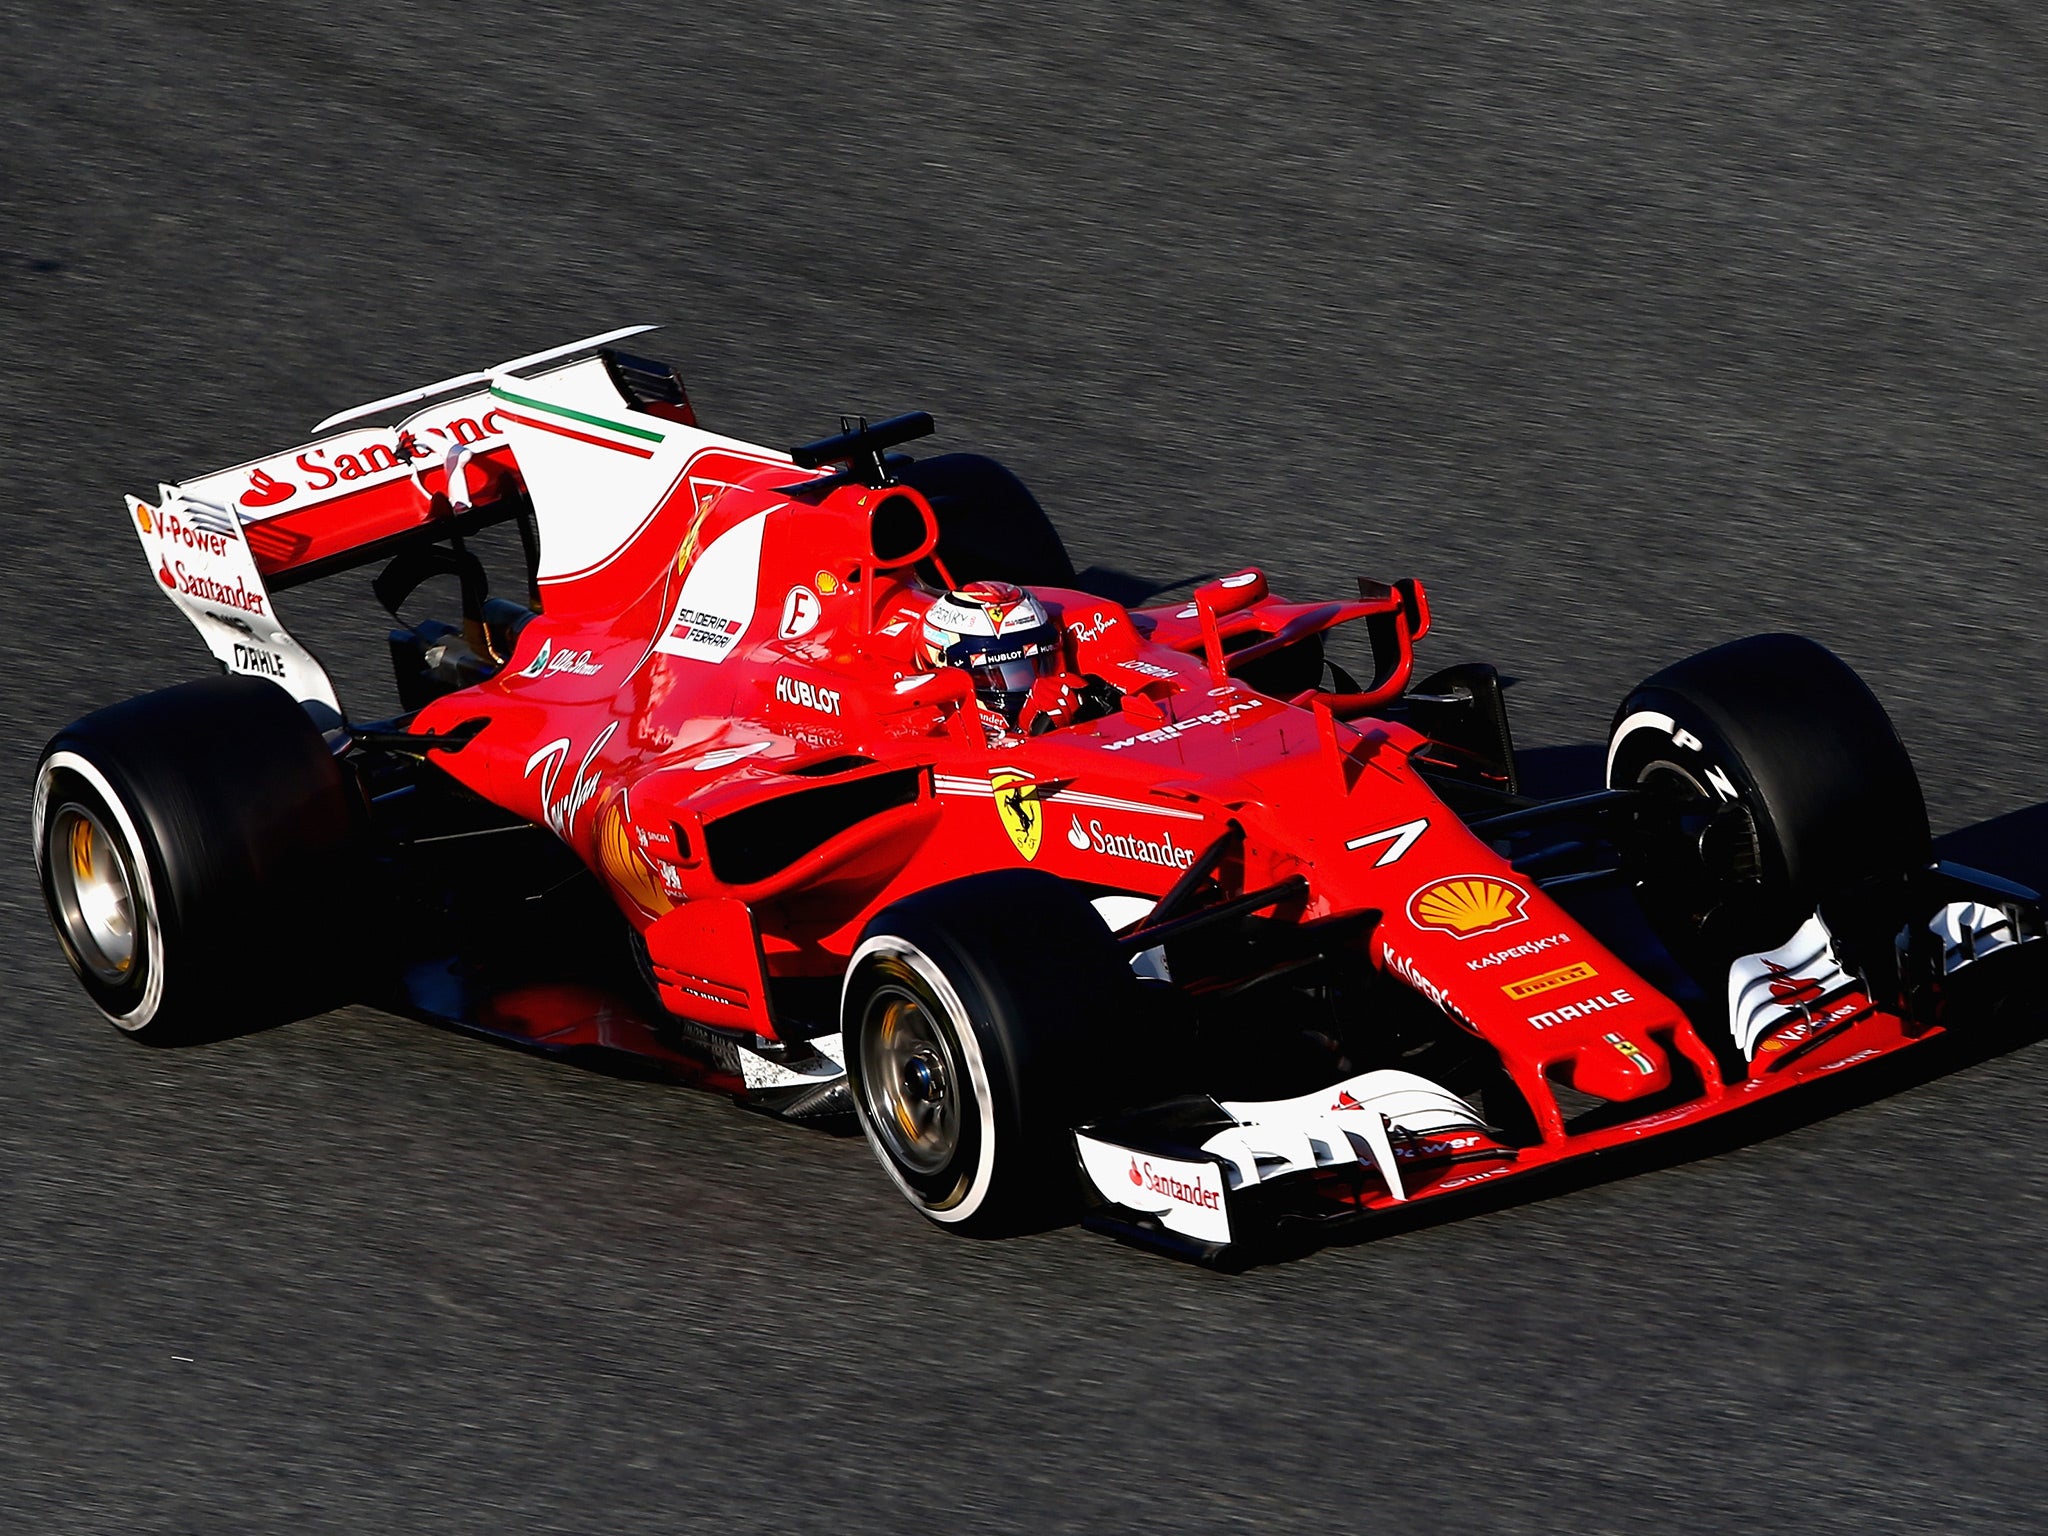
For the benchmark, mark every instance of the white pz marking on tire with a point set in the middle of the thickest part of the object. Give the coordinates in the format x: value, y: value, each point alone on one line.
x: 153, y: 987
x: 1643, y: 719
x: 977, y: 1071
x: 1684, y: 740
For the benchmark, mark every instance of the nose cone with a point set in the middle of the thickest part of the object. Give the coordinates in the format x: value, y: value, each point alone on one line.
x: 1619, y: 1066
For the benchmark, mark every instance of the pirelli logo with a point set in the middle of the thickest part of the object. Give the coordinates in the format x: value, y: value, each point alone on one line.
x: 1563, y: 976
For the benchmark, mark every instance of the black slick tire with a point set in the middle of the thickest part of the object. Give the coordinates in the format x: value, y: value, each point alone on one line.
x: 1777, y: 734
x: 991, y: 528
x: 216, y: 820
x: 1025, y: 1007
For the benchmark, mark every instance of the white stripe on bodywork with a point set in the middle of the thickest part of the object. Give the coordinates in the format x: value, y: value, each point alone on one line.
x: 464, y: 380
x: 723, y: 587
x: 955, y: 784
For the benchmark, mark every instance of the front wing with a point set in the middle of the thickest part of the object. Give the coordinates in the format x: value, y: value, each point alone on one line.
x: 1217, y: 1180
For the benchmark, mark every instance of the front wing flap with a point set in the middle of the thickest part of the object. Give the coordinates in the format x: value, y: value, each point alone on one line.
x: 1207, y: 1177
x: 1202, y: 1174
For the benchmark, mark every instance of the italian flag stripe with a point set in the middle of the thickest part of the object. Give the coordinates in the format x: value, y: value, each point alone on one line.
x: 563, y: 410
x: 582, y: 437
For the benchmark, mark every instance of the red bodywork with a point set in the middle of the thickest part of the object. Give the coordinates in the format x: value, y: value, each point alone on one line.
x: 726, y: 707
x: 879, y: 780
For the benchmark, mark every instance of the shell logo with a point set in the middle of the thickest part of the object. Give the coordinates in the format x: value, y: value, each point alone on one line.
x: 1468, y: 905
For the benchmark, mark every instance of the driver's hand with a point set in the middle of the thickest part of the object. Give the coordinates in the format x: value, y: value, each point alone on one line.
x: 1063, y: 699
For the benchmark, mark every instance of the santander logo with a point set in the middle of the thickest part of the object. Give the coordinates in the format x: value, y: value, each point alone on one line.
x: 208, y: 590
x: 1180, y: 1191
x: 357, y: 460
x: 266, y: 490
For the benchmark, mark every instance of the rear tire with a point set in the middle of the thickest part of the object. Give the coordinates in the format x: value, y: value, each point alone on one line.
x: 983, y: 1020
x: 991, y: 528
x: 197, y: 849
x: 1788, y: 776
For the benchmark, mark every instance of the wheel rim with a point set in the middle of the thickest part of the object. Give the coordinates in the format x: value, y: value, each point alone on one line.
x: 95, y: 894
x: 1672, y: 778
x: 910, y: 1081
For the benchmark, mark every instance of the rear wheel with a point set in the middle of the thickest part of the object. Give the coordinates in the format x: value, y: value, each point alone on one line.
x: 983, y: 1020
x: 1784, y: 783
x: 196, y: 850
x: 991, y: 528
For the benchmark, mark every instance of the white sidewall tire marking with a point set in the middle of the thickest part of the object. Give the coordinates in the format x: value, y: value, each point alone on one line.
x: 139, y: 1017
x: 1718, y: 785
x: 970, y: 1048
x: 1641, y: 720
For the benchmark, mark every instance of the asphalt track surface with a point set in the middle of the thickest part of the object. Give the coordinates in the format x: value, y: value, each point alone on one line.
x: 1628, y: 328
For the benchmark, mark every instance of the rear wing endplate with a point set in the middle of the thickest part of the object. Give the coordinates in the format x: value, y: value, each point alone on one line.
x: 378, y: 474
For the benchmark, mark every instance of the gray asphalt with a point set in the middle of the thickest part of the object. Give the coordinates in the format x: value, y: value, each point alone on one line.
x: 1628, y: 328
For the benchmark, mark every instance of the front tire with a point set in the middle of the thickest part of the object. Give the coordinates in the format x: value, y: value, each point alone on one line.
x: 196, y: 850
x: 983, y: 1019
x: 1783, y: 776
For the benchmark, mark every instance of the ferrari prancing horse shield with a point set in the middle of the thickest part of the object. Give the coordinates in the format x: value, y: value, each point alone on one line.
x: 1017, y: 805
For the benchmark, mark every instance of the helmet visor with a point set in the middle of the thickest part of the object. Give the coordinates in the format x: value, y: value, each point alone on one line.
x: 1014, y: 676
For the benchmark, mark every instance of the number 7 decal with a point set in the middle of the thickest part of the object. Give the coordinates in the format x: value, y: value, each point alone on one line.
x: 1398, y: 840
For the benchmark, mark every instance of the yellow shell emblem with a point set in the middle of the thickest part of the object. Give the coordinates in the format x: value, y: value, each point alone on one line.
x: 1018, y: 806
x: 1466, y: 905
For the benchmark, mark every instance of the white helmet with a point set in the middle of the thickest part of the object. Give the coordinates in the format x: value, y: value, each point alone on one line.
x: 1000, y: 634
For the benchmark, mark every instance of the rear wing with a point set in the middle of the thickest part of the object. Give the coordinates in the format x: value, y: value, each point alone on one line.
x: 376, y: 472
x: 430, y: 464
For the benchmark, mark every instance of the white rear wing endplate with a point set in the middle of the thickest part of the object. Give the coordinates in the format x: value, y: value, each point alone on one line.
x: 201, y: 559
x: 195, y: 537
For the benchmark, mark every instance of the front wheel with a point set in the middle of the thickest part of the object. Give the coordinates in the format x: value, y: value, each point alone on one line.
x: 1783, y: 782
x: 984, y: 1019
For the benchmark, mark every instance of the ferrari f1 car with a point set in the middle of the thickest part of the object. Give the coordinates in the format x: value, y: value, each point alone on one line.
x: 819, y: 778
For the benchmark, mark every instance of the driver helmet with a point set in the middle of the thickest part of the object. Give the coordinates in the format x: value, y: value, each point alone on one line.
x: 1000, y: 635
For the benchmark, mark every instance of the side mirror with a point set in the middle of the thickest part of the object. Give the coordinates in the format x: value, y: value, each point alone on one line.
x: 901, y: 529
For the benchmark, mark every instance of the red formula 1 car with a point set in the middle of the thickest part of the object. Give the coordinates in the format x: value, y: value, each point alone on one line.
x: 818, y: 778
